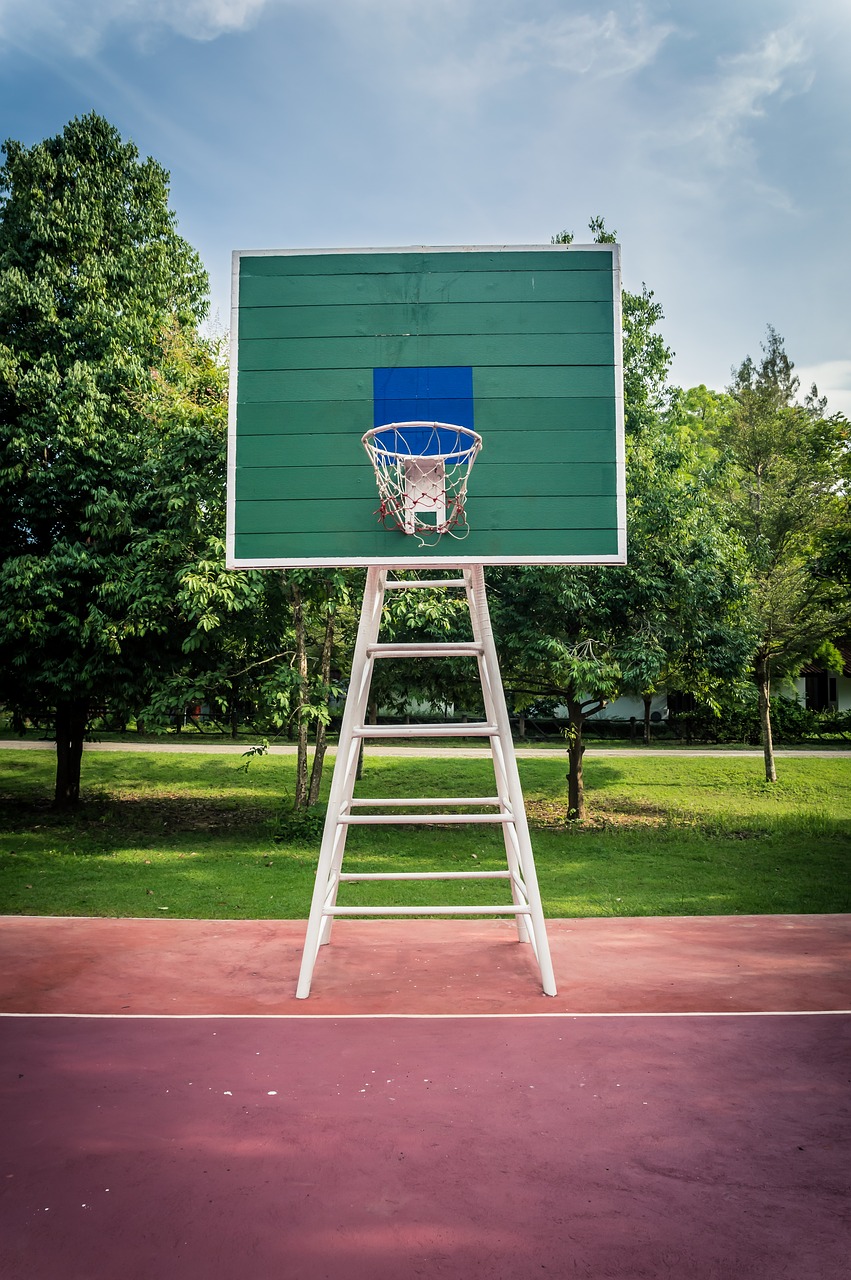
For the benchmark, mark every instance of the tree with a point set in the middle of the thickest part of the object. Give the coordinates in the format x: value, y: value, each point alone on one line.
x: 217, y: 637
x: 784, y: 486
x: 582, y: 636
x: 320, y: 600
x: 674, y: 613
x: 685, y: 576
x: 252, y: 644
x: 646, y: 356
x: 555, y: 643
x: 92, y: 275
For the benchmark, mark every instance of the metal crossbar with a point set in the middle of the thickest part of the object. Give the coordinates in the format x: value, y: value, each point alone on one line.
x: 376, y: 819
x: 465, y: 729
x: 414, y: 584
x: 462, y: 649
x: 425, y: 875
x: 525, y: 903
x: 431, y: 911
x: 456, y: 800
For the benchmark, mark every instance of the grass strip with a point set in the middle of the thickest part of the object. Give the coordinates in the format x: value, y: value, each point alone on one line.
x: 197, y: 836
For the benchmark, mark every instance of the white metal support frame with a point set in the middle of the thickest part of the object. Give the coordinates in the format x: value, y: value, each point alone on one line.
x: 507, y: 805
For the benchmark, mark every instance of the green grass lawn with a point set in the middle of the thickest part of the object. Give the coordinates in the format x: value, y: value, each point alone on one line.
x: 194, y: 835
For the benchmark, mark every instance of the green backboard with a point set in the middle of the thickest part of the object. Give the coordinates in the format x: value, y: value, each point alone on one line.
x: 520, y: 344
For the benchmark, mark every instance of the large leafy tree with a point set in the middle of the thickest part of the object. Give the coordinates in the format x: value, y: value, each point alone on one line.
x: 92, y: 274
x: 256, y: 646
x: 674, y: 614
x: 784, y: 484
x: 684, y: 582
x: 211, y: 635
x: 583, y: 636
x: 646, y: 355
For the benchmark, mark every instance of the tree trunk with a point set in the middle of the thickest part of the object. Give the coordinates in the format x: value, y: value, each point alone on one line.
x: 371, y: 718
x: 321, y: 739
x: 763, y: 683
x: 647, y: 701
x: 316, y: 768
x: 301, y: 717
x: 575, y: 752
x: 70, y: 733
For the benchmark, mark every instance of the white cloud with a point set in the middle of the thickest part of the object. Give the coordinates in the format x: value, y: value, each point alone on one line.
x: 595, y: 44
x: 716, y: 125
x: 582, y: 43
x: 704, y: 141
x: 833, y: 379
x: 592, y: 45
x: 80, y: 26
x: 204, y: 19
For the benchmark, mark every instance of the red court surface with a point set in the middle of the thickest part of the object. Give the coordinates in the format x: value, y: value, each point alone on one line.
x: 681, y: 1109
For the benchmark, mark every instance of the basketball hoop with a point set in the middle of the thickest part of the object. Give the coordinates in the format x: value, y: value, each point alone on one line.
x: 421, y: 470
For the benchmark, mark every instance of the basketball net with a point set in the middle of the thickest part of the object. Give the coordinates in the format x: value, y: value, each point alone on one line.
x: 421, y: 469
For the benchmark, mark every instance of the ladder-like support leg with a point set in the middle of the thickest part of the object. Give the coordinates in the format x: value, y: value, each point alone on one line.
x: 509, y: 830
x: 518, y: 842
x: 343, y: 780
x: 359, y: 685
x: 342, y: 806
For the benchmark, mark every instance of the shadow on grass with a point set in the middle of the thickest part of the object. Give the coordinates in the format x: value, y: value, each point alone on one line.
x: 109, y: 823
x: 785, y: 865
x: 107, y: 820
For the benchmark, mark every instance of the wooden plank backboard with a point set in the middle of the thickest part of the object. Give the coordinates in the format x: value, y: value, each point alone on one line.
x: 523, y: 344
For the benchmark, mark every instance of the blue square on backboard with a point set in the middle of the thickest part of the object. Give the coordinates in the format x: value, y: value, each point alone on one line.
x: 423, y: 395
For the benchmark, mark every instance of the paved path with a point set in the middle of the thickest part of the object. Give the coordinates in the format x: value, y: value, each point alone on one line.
x: 466, y: 753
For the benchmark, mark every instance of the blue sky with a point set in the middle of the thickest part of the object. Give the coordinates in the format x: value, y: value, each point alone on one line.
x: 714, y: 137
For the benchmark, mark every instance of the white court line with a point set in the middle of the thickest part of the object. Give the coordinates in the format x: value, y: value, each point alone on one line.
x: 426, y: 1017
